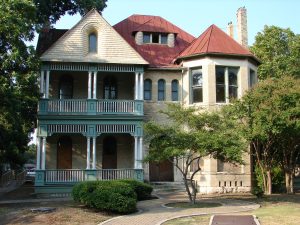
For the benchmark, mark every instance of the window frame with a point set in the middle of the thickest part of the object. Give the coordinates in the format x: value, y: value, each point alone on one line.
x: 196, y: 87
x: 252, y: 82
x: 175, y: 81
x: 227, y: 84
x: 163, y: 91
x: 148, y: 90
x: 108, y: 84
x: 95, y: 49
x: 151, y: 34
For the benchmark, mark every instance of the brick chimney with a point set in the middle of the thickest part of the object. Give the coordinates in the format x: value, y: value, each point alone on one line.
x: 242, y: 26
x: 230, y: 30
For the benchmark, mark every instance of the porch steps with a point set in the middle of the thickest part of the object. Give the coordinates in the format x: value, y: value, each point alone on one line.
x: 168, y: 186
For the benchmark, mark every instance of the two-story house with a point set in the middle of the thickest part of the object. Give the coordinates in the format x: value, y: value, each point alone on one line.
x: 99, y: 83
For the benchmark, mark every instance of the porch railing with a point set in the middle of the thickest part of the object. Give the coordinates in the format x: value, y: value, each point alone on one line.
x: 115, y: 174
x: 64, y: 176
x: 116, y: 106
x: 67, y: 106
x: 78, y: 175
x: 90, y: 106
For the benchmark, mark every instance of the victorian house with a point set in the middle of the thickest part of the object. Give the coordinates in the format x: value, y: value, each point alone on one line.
x: 99, y: 83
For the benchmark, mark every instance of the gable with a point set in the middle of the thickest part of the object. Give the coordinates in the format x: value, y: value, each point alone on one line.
x: 111, y: 47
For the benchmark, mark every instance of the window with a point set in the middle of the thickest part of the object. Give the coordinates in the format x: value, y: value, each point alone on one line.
x: 110, y: 88
x: 232, y: 82
x: 147, y: 38
x: 174, y: 90
x: 226, y: 83
x: 161, y: 90
x: 252, y: 78
x: 93, y: 42
x: 197, y: 85
x: 164, y: 39
x: 66, y: 87
x: 155, y: 38
x: 147, y: 89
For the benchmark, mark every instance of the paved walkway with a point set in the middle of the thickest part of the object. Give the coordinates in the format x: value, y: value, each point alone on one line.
x: 153, y: 212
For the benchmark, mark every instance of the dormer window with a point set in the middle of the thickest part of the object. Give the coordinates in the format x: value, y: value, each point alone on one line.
x: 155, y: 38
x: 92, y: 42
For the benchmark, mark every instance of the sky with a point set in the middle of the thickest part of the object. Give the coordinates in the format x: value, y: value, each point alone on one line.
x: 194, y: 16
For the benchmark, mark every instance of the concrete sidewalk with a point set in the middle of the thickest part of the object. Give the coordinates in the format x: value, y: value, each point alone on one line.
x: 153, y: 212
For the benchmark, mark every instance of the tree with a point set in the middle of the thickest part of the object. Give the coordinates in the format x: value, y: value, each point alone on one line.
x: 188, y: 135
x: 270, y: 114
x: 48, y: 12
x: 18, y: 89
x: 279, y: 51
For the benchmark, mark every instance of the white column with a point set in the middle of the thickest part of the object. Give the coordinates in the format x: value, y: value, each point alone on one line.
x: 94, y: 153
x: 135, y: 152
x: 42, y: 82
x: 95, y: 85
x: 47, y: 84
x: 141, y: 89
x: 90, y: 85
x: 43, y: 153
x: 140, y: 153
x: 136, y: 86
x: 88, y: 153
x: 38, y: 153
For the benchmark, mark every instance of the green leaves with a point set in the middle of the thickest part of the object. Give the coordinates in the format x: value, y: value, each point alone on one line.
x: 194, y: 133
x: 279, y: 51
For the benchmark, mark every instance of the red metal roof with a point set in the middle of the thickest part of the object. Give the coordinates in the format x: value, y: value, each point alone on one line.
x: 215, y: 41
x: 157, y: 55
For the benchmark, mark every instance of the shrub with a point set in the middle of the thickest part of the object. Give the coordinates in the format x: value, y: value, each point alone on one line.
x: 142, y: 190
x: 112, y: 196
x: 258, y: 192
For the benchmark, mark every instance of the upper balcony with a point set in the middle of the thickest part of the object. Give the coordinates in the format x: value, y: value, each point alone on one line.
x: 91, y: 92
x: 90, y: 107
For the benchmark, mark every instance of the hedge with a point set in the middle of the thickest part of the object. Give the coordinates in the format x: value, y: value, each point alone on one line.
x: 114, y: 196
x: 142, y: 190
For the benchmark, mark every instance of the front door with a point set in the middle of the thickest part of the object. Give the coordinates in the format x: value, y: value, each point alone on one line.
x: 162, y: 171
x: 109, y: 159
x: 64, y: 153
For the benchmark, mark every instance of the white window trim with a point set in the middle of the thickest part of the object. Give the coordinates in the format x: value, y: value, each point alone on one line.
x: 227, y: 99
x: 151, y: 40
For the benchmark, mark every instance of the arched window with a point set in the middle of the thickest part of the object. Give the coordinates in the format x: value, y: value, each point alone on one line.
x: 110, y: 88
x: 92, y: 42
x: 174, y: 90
x: 161, y: 90
x: 66, y: 87
x: 147, y: 89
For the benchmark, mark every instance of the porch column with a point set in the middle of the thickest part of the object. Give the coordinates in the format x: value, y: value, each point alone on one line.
x: 140, y: 153
x: 141, y: 89
x: 88, y: 153
x: 95, y: 85
x: 135, y: 152
x: 42, y: 78
x: 43, y: 153
x: 38, y: 153
x: 47, y: 84
x: 136, y: 86
x: 94, y: 153
x: 90, y: 85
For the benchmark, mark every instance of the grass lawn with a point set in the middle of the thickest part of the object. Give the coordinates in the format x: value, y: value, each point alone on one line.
x: 275, y: 210
x: 66, y: 213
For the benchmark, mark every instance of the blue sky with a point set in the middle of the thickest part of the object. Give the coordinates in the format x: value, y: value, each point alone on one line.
x: 194, y: 16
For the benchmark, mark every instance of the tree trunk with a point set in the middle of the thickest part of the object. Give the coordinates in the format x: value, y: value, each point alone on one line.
x: 289, y: 182
x: 187, y: 189
x: 269, y: 183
